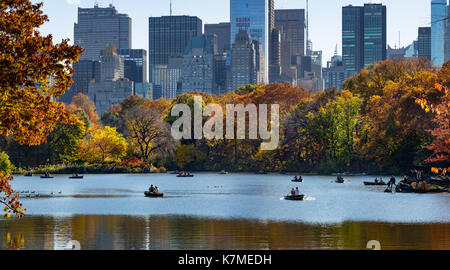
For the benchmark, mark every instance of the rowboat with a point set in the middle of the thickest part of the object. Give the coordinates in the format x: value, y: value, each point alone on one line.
x: 375, y: 184
x: 76, y: 177
x: 295, y: 198
x: 181, y: 175
x: 153, y: 194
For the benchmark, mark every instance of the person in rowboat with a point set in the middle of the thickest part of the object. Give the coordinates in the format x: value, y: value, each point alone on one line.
x: 156, y: 190
x: 293, y: 192
x: 296, y: 178
x: 151, y: 189
x: 297, y: 191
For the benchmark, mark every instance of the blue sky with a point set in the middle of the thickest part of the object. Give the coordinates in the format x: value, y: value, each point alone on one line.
x: 404, y: 16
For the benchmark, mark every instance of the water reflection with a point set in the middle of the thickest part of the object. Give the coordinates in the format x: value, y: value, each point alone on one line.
x: 181, y: 232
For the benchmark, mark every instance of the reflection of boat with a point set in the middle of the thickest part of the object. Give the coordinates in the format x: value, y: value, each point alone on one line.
x: 28, y: 175
x: 187, y: 175
x: 223, y: 172
x: 76, y: 176
x: 261, y: 172
x: 47, y: 177
x: 294, y: 198
x: 375, y: 184
x: 153, y: 194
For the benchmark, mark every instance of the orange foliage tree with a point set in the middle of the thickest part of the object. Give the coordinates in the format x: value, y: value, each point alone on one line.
x: 441, y: 133
x: 33, y: 73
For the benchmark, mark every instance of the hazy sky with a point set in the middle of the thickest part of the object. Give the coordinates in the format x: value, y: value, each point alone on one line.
x: 404, y: 16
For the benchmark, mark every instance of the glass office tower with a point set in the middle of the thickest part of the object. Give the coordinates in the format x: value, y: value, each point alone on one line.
x: 253, y: 16
x: 375, y: 38
x: 438, y: 15
x: 352, y: 38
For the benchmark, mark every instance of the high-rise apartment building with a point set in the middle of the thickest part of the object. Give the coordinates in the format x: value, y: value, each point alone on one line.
x: 113, y: 87
x: 98, y: 27
x: 254, y: 16
x: 438, y: 22
x: 222, y: 31
x: 364, y: 38
x: 168, y: 36
x: 197, y: 73
x: 424, y: 42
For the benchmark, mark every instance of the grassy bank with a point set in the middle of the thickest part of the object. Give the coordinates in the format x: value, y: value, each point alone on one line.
x: 88, y: 169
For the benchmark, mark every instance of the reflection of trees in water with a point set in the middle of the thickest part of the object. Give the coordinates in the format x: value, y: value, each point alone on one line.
x: 13, y: 243
x: 165, y: 232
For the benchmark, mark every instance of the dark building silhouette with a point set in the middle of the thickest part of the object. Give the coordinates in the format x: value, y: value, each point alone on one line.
x: 424, y: 42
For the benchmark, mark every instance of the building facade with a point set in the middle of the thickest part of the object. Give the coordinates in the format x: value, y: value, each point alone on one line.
x: 254, y: 17
x: 168, y: 36
x: 364, y: 38
x: 438, y: 21
x: 246, y: 61
x: 135, y: 61
x: 198, y: 66
x: 85, y: 71
x: 335, y: 73
x: 375, y: 37
x: 113, y: 87
x: 424, y: 42
x: 98, y: 27
x: 447, y: 36
x: 222, y: 31
x: 353, y: 38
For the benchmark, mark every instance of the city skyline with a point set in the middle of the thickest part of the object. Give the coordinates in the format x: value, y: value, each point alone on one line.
x: 325, y: 27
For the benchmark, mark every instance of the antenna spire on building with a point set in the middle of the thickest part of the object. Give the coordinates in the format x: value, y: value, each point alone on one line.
x: 170, y: 7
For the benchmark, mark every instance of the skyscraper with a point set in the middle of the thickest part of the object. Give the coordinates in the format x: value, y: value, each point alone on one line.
x: 168, y: 36
x: 438, y: 14
x: 375, y: 38
x: 113, y: 87
x: 447, y: 36
x: 198, y: 66
x: 254, y: 16
x: 364, y: 38
x: 98, y: 27
x: 246, y: 61
x: 424, y: 42
x: 222, y: 31
x: 292, y: 27
x: 353, y: 38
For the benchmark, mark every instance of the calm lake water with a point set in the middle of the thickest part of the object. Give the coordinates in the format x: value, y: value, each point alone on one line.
x: 212, y: 211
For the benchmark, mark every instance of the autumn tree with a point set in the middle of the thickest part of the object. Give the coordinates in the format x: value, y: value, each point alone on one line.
x: 82, y: 102
x: 34, y: 72
x: 146, y: 131
x: 440, y: 146
x: 102, y: 145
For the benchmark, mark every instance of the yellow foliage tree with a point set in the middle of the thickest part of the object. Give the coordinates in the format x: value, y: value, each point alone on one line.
x: 103, y: 145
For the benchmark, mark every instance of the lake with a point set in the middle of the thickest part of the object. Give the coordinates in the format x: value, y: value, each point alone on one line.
x: 212, y: 211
